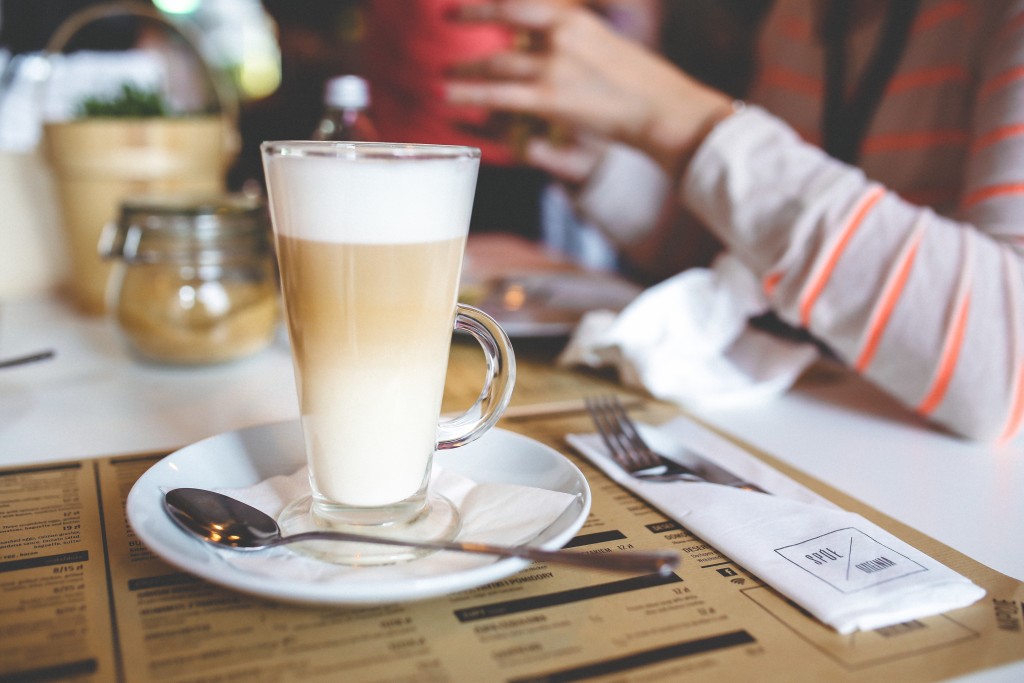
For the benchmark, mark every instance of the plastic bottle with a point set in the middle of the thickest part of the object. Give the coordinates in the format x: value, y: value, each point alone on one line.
x: 346, y: 118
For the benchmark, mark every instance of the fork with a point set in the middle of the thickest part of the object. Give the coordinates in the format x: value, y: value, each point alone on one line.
x: 631, y: 452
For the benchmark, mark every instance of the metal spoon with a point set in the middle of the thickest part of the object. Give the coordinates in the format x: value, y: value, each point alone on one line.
x: 228, y: 522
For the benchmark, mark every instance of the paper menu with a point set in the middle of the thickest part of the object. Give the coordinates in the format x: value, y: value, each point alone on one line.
x: 54, y: 609
x: 82, y: 597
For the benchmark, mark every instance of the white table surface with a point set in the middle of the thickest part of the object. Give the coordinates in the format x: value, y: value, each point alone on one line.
x: 94, y: 398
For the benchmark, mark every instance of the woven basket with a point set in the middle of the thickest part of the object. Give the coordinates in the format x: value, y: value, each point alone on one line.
x: 97, y: 162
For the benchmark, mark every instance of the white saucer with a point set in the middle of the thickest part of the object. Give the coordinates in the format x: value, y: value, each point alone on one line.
x: 242, y: 458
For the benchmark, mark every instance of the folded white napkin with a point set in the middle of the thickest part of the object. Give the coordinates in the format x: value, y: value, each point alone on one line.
x: 847, y: 572
x: 687, y: 340
x: 505, y: 514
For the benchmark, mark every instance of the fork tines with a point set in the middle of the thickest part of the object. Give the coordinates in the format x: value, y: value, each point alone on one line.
x: 620, y: 435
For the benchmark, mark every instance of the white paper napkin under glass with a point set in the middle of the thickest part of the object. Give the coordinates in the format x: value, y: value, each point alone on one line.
x: 846, y: 571
x: 503, y: 514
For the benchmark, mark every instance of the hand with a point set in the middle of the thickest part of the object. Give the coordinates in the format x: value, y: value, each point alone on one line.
x: 571, y: 162
x: 587, y: 78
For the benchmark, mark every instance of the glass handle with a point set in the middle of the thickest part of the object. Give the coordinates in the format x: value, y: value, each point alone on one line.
x: 498, y: 383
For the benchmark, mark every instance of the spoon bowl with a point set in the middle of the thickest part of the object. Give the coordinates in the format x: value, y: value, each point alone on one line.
x: 230, y: 523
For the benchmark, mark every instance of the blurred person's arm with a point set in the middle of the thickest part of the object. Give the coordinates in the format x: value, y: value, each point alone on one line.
x: 628, y: 197
x: 930, y: 308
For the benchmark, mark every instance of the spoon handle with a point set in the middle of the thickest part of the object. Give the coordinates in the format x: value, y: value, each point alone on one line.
x: 660, y: 562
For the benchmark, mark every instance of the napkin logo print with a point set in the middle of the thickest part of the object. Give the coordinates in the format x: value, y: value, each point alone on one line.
x: 849, y: 560
x: 1007, y: 618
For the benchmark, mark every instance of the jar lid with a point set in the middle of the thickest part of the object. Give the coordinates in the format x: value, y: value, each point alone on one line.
x: 187, y: 229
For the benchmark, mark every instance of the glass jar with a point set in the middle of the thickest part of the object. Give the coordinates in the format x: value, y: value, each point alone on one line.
x: 195, y: 280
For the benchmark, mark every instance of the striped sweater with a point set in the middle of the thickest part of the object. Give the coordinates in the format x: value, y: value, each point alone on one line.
x: 908, y: 266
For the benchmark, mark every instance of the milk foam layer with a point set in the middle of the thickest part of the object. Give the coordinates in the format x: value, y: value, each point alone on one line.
x: 370, y: 201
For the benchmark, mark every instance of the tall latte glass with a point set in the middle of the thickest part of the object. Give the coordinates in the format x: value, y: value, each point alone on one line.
x: 370, y: 239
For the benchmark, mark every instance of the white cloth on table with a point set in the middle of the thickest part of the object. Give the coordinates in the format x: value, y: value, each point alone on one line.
x: 688, y: 340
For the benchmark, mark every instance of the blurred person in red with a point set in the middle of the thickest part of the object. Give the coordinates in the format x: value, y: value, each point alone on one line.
x: 409, y: 49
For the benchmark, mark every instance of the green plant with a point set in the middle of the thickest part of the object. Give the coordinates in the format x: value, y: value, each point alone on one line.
x: 130, y: 102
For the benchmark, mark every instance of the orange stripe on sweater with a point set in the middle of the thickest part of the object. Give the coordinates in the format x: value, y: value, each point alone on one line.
x: 793, y: 81
x: 952, y: 73
x: 893, y: 142
x: 950, y: 357
x: 938, y: 14
x: 983, y: 194
x: 770, y: 282
x: 997, y: 135
x: 814, y: 288
x: 1001, y: 80
x: 887, y: 302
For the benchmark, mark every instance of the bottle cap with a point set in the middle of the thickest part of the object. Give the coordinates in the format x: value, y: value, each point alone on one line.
x: 347, y: 92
